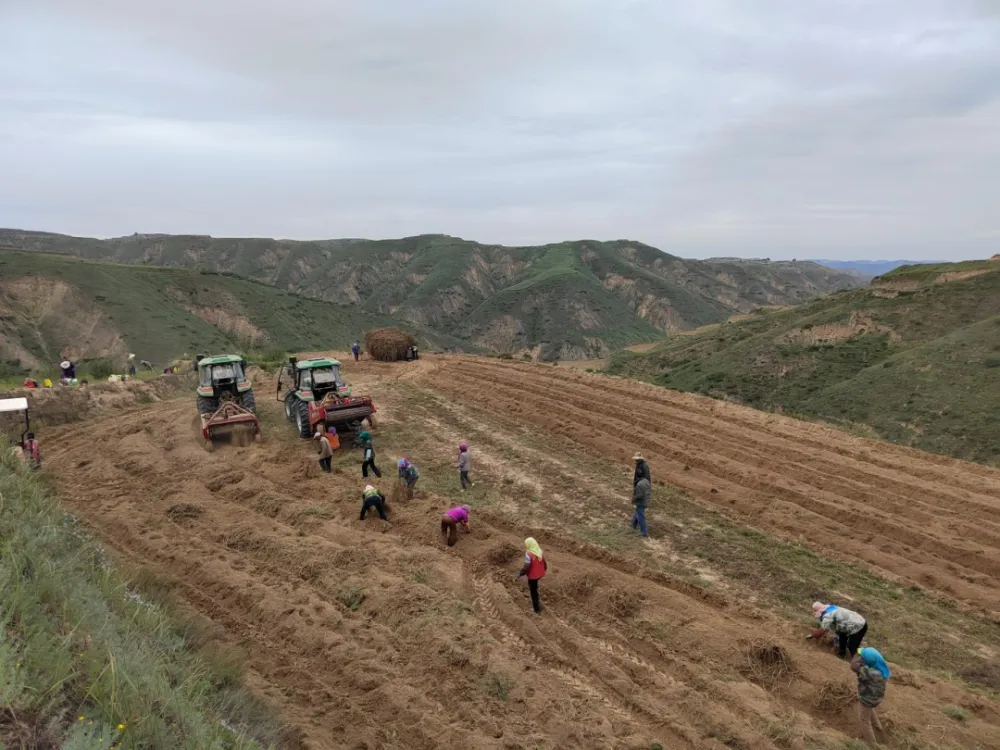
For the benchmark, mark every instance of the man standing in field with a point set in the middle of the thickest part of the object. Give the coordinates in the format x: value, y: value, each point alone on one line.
x: 640, y: 499
x: 369, y: 455
x: 356, y: 350
x: 641, y: 469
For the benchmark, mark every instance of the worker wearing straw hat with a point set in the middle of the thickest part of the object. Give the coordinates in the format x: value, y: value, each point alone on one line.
x: 641, y: 469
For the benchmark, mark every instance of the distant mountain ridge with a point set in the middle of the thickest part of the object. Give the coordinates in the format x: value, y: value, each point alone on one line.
x: 567, y: 300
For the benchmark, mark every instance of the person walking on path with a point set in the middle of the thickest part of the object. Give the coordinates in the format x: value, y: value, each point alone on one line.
x: 356, y: 350
x: 372, y: 498
x: 849, y: 626
x: 369, y: 456
x: 450, y: 522
x: 641, y: 469
x: 325, y: 450
x: 535, y: 566
x: 872, y: 672
x: 408, y: 473
x: 464, y: 464
x: 641, y: 493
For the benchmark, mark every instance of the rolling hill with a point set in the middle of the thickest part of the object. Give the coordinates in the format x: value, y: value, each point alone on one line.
x: 915, y: 356
x: 54, y: 307
x: 563, y: 301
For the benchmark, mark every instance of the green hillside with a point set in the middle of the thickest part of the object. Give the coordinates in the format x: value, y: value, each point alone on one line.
x: 571, y: 299
x: 53, y: 307
x: 915, y: 356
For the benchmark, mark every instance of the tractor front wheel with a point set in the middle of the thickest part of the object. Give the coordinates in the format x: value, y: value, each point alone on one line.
x: 290, y: 406
x: 207, y: 405
x: 302, y: 419
x: 249, y: 403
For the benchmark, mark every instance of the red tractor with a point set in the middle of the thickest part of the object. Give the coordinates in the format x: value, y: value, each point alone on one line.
x: 319, y: 396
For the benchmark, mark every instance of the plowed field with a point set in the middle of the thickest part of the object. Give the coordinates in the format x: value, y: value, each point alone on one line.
x: 366, y: 634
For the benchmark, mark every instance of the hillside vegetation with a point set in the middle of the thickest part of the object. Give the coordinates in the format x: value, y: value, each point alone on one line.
x: 86, y: 661
x: 54, y: 307
x: 567, y: 300
x: 915, y: 356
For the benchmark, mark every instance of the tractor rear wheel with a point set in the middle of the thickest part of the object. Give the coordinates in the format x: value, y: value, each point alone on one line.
x: 302, y: 419
x: 249, y: 403
x: 207, y: 405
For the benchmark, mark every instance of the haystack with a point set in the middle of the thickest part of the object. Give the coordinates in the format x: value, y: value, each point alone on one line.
x: 387, y: 344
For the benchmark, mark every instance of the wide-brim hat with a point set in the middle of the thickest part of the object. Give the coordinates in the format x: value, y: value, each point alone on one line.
x: 638, y: 457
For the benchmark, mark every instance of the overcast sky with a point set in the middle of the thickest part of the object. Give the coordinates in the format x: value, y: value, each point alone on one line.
x: 785, y: 128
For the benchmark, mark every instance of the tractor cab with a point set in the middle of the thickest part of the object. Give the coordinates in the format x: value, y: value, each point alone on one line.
x: 223, y: 377
x: 315, y: 379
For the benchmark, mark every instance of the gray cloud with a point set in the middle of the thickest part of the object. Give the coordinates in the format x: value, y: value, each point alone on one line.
x: 703, y: 126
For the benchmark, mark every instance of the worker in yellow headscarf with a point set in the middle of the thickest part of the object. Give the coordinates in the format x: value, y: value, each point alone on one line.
x: 535, y: 566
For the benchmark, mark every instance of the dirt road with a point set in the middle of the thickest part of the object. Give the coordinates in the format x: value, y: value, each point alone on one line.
x: 374, y: 635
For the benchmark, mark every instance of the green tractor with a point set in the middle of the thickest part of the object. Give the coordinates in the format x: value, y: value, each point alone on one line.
x: 319, y: 396
x: 225, y: 398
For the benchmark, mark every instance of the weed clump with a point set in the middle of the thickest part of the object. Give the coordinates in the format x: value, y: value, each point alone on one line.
x: 766, y: 662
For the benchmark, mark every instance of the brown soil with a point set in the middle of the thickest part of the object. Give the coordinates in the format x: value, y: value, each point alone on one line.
x: 375, y: 635
x: 934, y: 520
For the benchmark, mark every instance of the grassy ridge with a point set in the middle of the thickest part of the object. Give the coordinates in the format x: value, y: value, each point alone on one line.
x: 916, y: 357
x: 85, y: 662
x: 162, y: 313
x: 627, y: 291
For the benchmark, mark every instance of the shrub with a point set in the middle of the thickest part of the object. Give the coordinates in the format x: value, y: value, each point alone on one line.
x: 97, y: 369
x: 506, y: 355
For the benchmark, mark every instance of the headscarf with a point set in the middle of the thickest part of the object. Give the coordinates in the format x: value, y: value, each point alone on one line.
x: 532, y: 546
x: 873, y: 659
x: 369, y: 488
x: 462, y: 447
x: 402, y: 463
x: 818, y: 609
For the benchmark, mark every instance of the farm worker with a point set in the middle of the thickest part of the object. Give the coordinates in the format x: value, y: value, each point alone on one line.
x: 535, y: 566
x: 849, y: 626
x: 450, y: 522
x: 131, y: 365
x: 356, y: 350
x: 640, y: 499
x: 31, y: 451
x: 408, y: 473
x: 47, y: 383
x: 872, y: 673
x: 68, y: 369
x: 372, y: 498
x: 30, y: 383
x: 464, y: 464
x: 641, y: 469
x: 325, y: 450
x: 369, y: 455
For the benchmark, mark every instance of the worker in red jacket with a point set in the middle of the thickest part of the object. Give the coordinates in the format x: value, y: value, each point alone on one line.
x: 534, y: 568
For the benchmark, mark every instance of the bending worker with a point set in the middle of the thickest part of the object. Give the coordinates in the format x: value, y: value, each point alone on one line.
x: 450, y: 522
x: 849, y: 626
x: 372, y: 498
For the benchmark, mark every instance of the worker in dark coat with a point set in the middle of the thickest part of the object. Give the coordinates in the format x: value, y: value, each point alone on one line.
x: 641, y: 470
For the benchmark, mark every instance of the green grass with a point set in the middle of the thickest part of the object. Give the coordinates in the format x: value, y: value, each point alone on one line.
x: 923, y: 374
x: 955, y: 713
x: 154, y: 309
x: 85, y: 660
x: 461, y: 292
